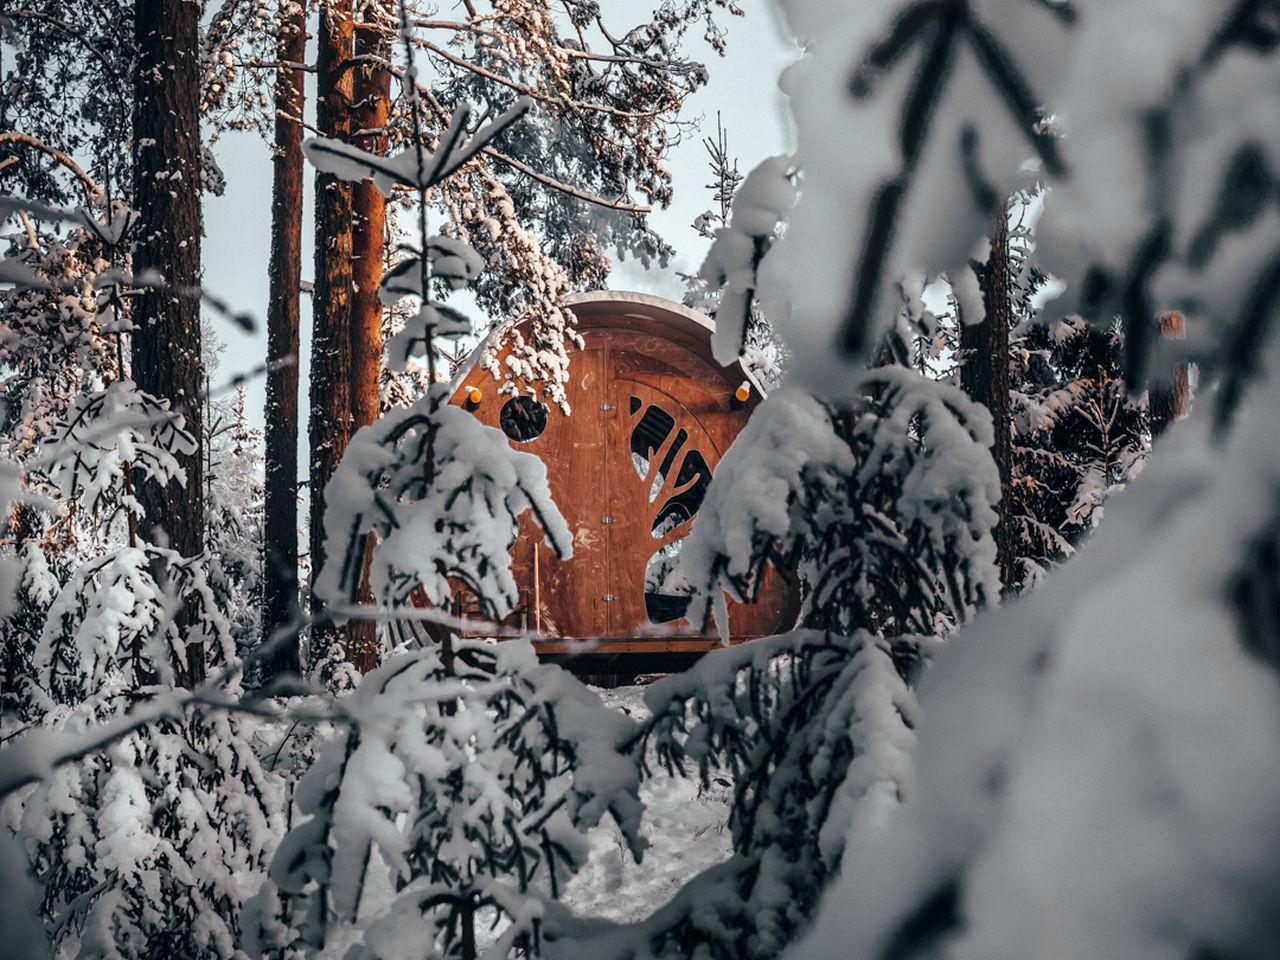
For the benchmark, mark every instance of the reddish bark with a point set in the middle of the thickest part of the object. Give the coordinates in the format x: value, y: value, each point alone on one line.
x: 280, y: 526
x: 370, y: 109
x: 330, y: 414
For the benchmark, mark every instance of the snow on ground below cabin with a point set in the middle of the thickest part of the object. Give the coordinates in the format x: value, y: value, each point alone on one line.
x: 687, y: 832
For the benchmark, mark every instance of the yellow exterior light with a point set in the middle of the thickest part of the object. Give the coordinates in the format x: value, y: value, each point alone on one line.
x: 474, y: 396
x: 742, y: 393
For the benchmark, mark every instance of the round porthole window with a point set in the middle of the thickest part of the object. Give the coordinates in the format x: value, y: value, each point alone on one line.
x: 523, y: 419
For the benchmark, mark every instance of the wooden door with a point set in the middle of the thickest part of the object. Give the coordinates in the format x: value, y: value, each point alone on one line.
x: 563, y: 598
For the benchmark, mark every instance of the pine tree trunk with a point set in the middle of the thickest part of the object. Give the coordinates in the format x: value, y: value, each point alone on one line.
x: 329, y: 425
x: 984, y: 377
x: 370, y: 110
x: 166, y: 193
x: 1169, y: 400
x: 280, y: 526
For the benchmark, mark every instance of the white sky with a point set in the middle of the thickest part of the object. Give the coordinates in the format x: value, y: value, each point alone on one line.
x: 742, y: 87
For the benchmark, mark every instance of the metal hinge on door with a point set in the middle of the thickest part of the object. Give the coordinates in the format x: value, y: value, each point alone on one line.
x: 606, y: 407
x: 609, y: 598
x: 607, y: 520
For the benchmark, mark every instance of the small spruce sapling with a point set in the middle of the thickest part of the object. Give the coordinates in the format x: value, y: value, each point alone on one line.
x: 882, y: 501
x: 467, y: 773
x: 468, y: 768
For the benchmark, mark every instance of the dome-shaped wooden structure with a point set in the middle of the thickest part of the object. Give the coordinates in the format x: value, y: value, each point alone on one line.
x: 651, y: 414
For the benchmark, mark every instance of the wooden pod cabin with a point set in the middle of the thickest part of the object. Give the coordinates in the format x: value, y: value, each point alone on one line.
x: 651, y: 414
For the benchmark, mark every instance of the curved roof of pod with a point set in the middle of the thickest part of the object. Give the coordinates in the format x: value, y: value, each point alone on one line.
x: 641, y: 306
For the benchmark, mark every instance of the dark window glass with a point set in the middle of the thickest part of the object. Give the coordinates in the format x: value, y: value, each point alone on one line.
x: 648, y: 436
x: 523, y: 419
x: 692, y: 482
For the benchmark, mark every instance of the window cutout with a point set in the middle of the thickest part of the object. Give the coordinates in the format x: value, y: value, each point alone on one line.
x: 667, y: 591
x: 694, y: 477
x: 648, y: 437
x: 635, y: 405
x: 523, y: 419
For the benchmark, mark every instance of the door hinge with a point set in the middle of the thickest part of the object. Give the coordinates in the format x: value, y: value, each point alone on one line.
x: 607, y: 520
x: 606, y: 407
x: 608, y: 598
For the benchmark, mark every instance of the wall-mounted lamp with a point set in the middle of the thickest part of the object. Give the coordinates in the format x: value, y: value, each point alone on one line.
x: 474, y: 396
x: 742, y: 394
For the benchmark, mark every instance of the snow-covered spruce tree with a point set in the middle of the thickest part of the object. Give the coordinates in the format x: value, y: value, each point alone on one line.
x: 451, y: 264
x: 885, y: 510
x: 465, y: 772
x: 234, y: 515
x: 816, y: 730
x: 149, y: 848
x: 752, y: 211
x: 1077, y: 435
x: 1134, y: 683
x: 54, y: 343
x: 1075, y: 431
x: 62, y: 307
x: 882, y: 502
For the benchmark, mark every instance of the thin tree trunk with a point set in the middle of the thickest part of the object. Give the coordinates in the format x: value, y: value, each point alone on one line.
x: 329, y: 426
x: 984, y: 376
x: 1169, y: 398
x: 370, y: 110
x: 280, y: 527
x: 166, y: 193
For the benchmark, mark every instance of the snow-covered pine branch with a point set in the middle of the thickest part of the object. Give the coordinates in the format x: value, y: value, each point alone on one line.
x: 885, y: 507
x: 816, y: 731
x: 416, y: 167
x: 450, y: 262
x: 107, y: 433
x: 443, y: 495
x: 112, y: 626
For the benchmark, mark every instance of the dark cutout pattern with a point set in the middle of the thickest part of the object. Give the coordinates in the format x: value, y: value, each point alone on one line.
x: 648, y: 436
x: 523, y: 419
x: 666, y: 592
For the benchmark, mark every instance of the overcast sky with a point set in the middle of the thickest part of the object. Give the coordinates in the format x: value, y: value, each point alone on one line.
x: 742, y: 87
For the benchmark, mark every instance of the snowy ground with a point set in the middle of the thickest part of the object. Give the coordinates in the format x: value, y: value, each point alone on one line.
x: 687, y: 832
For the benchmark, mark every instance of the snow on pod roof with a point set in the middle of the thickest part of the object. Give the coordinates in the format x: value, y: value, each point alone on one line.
x: 643, y: 306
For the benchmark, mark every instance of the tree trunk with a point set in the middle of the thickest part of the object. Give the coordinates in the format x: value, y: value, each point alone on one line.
x: 1169, y: 398
x: 280, y: 526
x: 370, y: 110
x: 166, y: 193
x: 329, y: 425
x: 984, y: 376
